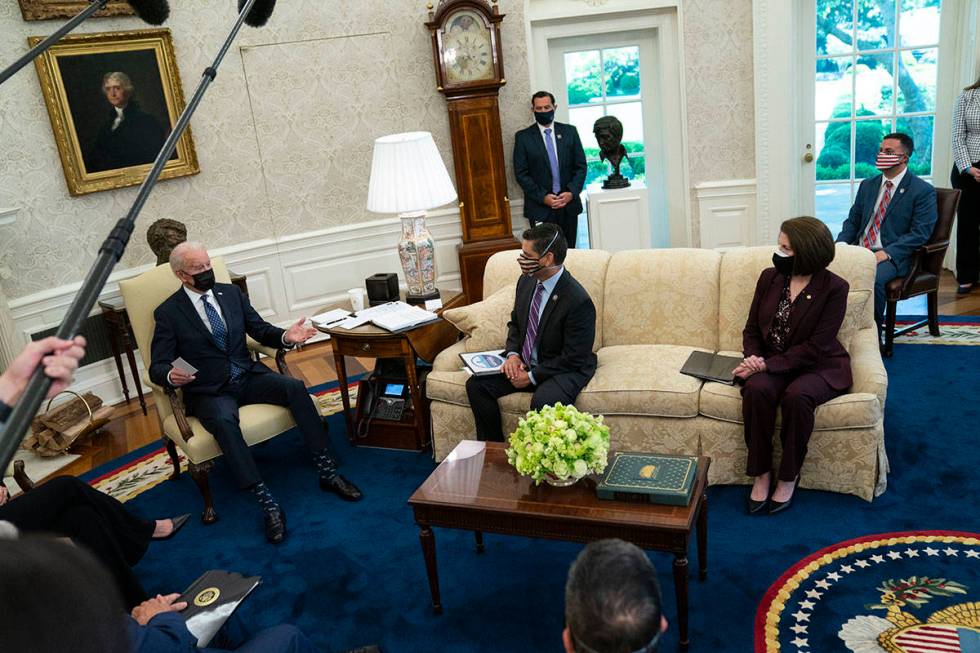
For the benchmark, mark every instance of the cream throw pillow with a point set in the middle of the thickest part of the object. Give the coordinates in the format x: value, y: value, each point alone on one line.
x: 485, y: 322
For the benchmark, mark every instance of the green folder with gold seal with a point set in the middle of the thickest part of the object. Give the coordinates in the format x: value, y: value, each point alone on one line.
x: 647, y: 477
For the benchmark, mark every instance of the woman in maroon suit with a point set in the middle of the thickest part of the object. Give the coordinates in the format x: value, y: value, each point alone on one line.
x: 793, y: 361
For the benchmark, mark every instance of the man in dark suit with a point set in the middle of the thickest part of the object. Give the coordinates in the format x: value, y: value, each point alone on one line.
x: 549, y: 164
x: 893, y: 215
x: 205, y: 323
x: 549, y: 337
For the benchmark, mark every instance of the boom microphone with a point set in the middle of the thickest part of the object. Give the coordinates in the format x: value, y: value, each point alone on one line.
x: 260, y: 13
x: 154, y: 12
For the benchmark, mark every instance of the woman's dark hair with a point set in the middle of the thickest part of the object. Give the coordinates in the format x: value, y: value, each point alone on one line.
x: 56, y: 597
x: 812, y: 244
x: 974, y: 85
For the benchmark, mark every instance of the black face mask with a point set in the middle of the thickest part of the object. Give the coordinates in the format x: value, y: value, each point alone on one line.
x: 204, y: 281
x: 544, y: 118
x: 783, y: 264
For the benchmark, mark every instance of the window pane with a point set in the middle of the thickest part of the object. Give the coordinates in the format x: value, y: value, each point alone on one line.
x: 833, y: 201
x: 868, y: 134
x: 833, y: 147
x: 874, y: 86
x: 598, y: 170
x: 920, y: 129
x: 876, y: 24
x: 583, y: 75
x: 919, y: 22
x: 917, y: 81
x: 835, y: 26
x: 833, y: 96
x: 631, y: 115
x: 622, y: 71
x: 635, y: 168
x: 583, y: 118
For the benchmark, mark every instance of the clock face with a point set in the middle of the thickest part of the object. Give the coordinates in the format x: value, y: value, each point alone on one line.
x: 466, y: 49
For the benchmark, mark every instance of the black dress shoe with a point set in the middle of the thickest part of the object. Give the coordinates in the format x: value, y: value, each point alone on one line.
x: 754, y: 507
x: 965, y: 288
x: 275, y: 526
x: 178, y: 523
x: 783, y: 506
x: 341, y: 487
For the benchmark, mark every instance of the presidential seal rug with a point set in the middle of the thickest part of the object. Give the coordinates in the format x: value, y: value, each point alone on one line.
x: 905, y: 592
x: 129, y: 476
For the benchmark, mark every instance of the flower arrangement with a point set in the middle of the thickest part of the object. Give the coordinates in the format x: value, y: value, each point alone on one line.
x: 559, y: 443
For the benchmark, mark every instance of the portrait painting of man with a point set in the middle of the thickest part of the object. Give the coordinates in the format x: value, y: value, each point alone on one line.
x: 113, y: 99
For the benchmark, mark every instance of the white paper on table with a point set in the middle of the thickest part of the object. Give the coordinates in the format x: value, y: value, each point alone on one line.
x: 328, y: 318
x: 433, y: 304
x: 353, y: 322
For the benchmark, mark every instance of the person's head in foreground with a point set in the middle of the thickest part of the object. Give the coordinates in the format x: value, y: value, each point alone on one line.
x: 612, y: 601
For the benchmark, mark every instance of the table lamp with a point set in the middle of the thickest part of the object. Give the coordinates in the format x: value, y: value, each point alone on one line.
x: 409, y: 177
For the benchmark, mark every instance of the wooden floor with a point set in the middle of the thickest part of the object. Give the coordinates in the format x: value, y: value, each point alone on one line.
x: 130, y: 429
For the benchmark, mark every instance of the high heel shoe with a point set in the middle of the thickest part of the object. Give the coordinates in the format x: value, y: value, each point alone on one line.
x: 754, y: 507
x: 783, y: 506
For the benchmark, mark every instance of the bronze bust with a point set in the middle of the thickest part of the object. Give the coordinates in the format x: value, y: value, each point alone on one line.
x: 163, y: 235
x: 609, y: 134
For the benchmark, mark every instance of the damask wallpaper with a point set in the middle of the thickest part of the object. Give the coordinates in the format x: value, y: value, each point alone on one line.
x: 720, y: 94
x: 284, y: 135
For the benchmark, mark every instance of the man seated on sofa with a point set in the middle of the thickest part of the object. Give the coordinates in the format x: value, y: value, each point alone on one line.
x: 205, y: 323
x: 893, y: 215
x: 612, y: 601
x: 549, y: 336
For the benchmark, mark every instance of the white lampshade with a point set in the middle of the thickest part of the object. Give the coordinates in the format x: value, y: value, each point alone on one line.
x: 407, y: 174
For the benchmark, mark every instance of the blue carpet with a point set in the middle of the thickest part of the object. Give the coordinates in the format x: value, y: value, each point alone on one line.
x: 352, y: 574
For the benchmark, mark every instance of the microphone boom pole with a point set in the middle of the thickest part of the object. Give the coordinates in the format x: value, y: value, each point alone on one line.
x: 111, y: 251
x: 36, y: 51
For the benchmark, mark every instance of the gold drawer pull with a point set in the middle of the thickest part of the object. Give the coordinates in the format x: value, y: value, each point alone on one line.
x: 366, y: 347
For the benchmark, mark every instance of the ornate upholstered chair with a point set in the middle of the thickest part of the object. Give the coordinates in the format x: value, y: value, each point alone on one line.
x: 925, y: 272
x: 259, y: 422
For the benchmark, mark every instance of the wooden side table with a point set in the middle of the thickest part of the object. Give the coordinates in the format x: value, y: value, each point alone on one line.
x: 121, y: 337
x: 425, y: 342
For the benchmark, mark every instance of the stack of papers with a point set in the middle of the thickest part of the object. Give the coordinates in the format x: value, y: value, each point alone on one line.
x: 396, y: 316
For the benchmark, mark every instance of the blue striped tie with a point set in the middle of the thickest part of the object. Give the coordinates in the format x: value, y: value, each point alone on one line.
x: 220, y: 333
x: 531, y: 338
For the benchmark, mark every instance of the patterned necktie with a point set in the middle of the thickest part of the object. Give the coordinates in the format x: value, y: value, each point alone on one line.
x: 220, y: 333
x: 872, y: 236
x: 531, y: 337
x: 553, y: 160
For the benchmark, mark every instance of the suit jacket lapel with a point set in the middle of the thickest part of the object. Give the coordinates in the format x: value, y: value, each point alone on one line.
x: 550, y: 302
x: 898, y: 194
x: 770, y: 301
x: 870, y: 210
x: 806, y: 299
x: 184, y: 302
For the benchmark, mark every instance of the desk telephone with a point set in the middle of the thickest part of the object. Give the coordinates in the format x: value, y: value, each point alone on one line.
x: 384, y: 396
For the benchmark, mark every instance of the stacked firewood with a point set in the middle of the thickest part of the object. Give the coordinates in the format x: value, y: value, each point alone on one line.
x: 58, y: 428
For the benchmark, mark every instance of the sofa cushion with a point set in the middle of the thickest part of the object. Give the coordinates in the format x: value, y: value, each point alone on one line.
x: 851, y: 411
x: 740, y: 270
x: 484, y: 322
x: 641, y: 380
x: 662, y: 296
x: 588, y: 266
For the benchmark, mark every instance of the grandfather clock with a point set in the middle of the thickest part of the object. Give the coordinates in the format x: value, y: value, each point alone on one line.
x: 469, y: 72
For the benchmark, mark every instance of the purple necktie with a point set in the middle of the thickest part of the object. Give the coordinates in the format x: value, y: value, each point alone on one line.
x: 553, y: 160
x: 531, y: 337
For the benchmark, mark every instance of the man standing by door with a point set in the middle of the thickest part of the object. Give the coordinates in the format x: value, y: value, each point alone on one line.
x: 549, y: 163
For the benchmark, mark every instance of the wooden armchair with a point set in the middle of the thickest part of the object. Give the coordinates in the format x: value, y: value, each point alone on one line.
x: 259, y: 422
x: 925, y: 272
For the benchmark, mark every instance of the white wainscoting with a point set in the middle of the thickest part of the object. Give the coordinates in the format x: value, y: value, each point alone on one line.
x: 287, y: 278
x: 728, y: 213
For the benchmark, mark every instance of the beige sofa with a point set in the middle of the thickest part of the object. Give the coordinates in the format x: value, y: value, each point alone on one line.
x: 653, y: 308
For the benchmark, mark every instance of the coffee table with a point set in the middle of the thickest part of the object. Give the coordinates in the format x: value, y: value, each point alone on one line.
x: 476, y: 489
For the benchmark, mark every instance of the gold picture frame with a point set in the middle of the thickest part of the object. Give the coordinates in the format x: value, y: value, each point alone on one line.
x: 48, y: 9
x: 106, y: 144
